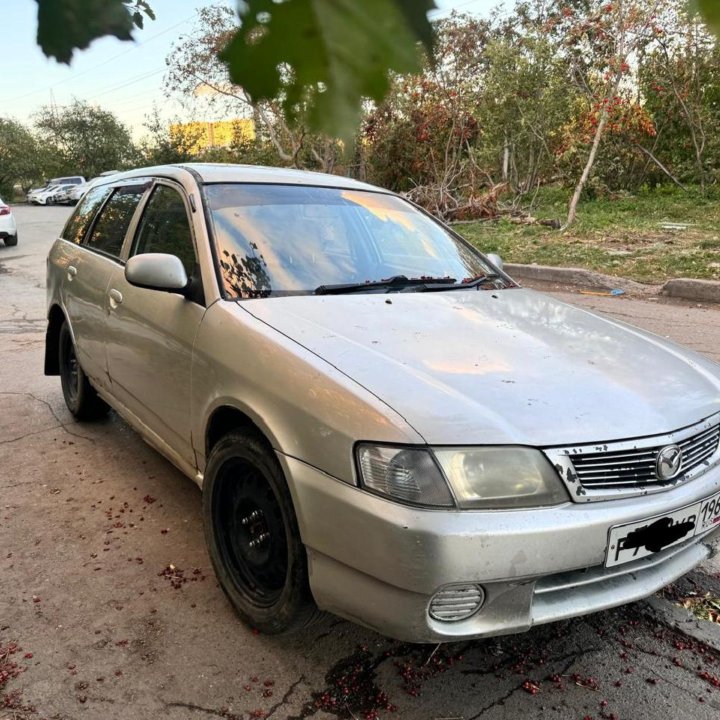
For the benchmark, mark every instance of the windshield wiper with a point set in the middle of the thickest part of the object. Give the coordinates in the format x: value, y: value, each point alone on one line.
x: 397, y: 282
x: 466, y: 284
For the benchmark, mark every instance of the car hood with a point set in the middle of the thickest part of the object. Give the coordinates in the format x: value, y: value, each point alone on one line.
x: 508, y: 366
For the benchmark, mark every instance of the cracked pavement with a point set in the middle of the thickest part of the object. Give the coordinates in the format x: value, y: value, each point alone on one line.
x: 106, y: 587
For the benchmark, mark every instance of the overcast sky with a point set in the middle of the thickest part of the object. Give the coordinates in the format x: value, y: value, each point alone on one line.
x: 120, y: 76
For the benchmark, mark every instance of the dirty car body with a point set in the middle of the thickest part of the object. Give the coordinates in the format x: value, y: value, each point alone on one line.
x: 449, y: 455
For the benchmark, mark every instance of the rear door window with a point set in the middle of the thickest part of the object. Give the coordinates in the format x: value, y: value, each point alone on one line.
x: 80, y: 220
x: 108, y: 232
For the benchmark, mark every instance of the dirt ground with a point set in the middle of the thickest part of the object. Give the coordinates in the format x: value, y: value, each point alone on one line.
x: 109, y: 608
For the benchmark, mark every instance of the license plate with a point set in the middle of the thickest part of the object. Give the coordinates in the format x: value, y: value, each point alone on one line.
x: 637, y: 540
x: 709, y: 514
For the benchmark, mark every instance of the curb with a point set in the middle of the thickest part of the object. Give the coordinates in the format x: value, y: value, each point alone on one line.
x: 667, y: 613
x: 573, y: 276
x: 700, y: 290
x: 706, y: 291
x: 544, y: 273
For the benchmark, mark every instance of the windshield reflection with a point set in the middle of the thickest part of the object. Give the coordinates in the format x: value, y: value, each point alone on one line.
x: 290, y: 240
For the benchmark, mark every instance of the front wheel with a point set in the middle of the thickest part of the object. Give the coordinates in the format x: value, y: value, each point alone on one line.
x: 253, y: 538
x: 81, y: 397
x: 11, y: 240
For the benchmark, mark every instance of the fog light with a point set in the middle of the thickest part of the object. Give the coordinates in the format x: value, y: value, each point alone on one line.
x: 457, y: 602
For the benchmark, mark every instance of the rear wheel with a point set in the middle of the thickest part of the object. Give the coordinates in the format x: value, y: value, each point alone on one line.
x: 11, y: 240
x: 253, y: 538
x: 81, y: 397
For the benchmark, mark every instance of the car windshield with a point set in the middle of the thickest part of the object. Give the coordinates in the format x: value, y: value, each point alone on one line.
x: 275, y: 240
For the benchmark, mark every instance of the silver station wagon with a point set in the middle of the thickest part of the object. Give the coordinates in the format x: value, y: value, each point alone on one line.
x: 384, y: 425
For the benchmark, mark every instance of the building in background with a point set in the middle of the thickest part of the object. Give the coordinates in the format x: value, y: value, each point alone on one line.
x: 221, y: 133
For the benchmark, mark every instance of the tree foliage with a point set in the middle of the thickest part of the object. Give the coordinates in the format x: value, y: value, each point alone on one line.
x: 20, y: 157
x: 68, y: 25
x: 196, y: 73
x: 322, y: 57
x: 85, y: 139
x: 558, y: 91
x: 598, y: 95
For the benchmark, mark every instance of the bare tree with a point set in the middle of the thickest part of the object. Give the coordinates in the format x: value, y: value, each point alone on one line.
x: 196, y: 74
x: 603, y: 40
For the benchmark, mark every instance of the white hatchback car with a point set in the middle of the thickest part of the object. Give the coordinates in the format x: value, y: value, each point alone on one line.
x: 8, y: 226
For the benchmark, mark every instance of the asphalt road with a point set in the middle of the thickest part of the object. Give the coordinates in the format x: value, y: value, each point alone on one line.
x: 106, y: 587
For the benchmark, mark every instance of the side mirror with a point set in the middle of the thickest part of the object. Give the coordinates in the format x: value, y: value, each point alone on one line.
x: 495, y: 259
x: 156, y: 271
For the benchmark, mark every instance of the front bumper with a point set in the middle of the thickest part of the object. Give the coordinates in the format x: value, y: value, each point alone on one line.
x: 379, y: 563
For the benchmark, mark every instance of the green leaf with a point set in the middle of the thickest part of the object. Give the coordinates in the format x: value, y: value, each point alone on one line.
x: 415, y: 13
x: 67, y: 25
x: 142, y: 5
x: 326, y: 55
x: 710, y: 10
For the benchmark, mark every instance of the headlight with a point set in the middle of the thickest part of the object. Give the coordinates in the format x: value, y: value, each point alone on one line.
x: 500, y: 477
x: 407, y: 474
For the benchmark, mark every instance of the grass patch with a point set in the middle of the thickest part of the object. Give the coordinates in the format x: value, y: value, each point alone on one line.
x: 623, y: 236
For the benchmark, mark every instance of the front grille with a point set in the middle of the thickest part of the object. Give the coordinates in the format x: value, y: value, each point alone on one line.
x: 628, y: 468
x: 604, y: 470
x: 700, y: 448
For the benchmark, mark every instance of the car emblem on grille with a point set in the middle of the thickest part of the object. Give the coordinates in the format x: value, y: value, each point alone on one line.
x: 668, y: 463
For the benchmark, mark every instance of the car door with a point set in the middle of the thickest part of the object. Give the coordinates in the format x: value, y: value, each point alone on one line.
x: 92, y: 251
x: 150, y: 333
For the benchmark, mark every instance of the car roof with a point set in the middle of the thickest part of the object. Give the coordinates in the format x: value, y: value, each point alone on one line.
x: 228, y: 173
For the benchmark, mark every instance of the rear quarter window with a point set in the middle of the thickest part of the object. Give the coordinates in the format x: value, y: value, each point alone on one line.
x: 80, y: 220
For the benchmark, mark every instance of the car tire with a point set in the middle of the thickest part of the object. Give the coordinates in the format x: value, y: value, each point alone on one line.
x: 246, y: 500
x: 11, y: 240
x: 80, y: 396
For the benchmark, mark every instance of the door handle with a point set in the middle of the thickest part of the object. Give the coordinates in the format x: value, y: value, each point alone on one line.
x: 71, y: 272
x: 115, y: 298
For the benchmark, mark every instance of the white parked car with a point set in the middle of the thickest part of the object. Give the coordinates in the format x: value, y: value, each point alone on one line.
x: 78, y: 192
x: 8, y: 227
x: 40, y: 196
x: 34, y: 194
x: 59, y: 196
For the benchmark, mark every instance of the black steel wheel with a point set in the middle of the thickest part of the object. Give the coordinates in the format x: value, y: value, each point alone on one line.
x: 252, y: 535
x: 11, y: 240
x: 80, y: 396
